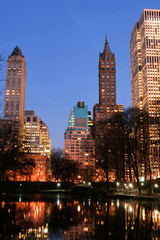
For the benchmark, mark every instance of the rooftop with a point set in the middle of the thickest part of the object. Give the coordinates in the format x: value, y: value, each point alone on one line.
x: 17, y: 52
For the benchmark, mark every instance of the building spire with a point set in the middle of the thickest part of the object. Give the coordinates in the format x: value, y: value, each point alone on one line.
x: 106, y: 38
x: 106, y: 43
x: 16, y: 51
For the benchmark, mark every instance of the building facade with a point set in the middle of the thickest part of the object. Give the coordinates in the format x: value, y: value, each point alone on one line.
x: 107, y: 105
x: 36, y: 135
x: 107, y: 88
x: 145, y: 77
x: 14, y: 102
x: 78, y: 142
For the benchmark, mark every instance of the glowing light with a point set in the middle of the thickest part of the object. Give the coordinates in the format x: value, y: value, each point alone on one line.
x: 20, y: 199
x: 117, y: 184
x: 45, y: 230
x: 86, y: 229
x: 156, y: 185
x: 130, y: 209
x: 142, y: 179
x: 125, y: 206
x: 131, y: 185
x: 58, y: 184
x: 79, y: 208
x: 58, y: 201
x: 117, y: 202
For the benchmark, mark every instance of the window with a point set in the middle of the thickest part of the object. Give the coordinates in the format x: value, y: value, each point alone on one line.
x: 34, y: 119
x: 28, y: 119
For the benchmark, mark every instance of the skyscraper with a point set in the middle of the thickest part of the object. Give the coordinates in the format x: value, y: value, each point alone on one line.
x: 78, y: 141
x: 107, y: 88
x: 14, y: 102
x: 145, y: 77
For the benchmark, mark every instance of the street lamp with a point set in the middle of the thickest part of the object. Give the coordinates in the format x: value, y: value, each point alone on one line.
x: 156, y: 185
x: 130, y: 185
x: 117, y: 183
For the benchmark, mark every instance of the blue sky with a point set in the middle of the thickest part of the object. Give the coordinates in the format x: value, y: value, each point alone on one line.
x: 61, y: 41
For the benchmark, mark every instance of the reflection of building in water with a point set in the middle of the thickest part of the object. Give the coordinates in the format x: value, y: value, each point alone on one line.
x: 148, y: 221
x: 85, y: 230
x: 114, y: 219
x: 32, y: 221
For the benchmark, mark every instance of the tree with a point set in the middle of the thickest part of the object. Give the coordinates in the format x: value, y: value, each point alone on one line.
x: 137, y: 143
x: 63, y: 169
x: 13, y: 160
x: 56, y: 163
x: 122, y: 142
x: 103, y: 148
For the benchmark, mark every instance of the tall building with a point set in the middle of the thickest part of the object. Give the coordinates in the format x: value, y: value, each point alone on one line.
x: 107, y: 88
x: 14, y: 102
x: 107, y: 105
x: 78, y: 141
x: 36, y: 135
x: 145, y: 77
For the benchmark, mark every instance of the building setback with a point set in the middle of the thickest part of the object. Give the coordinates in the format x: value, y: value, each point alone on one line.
x: 145, y: 77
x: 36, y: 135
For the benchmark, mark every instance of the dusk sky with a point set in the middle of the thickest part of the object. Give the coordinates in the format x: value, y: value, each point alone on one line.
x: 61, y: 41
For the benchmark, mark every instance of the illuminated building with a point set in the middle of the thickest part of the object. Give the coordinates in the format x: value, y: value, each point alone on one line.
x: 79, y: 115
x: 36, y: 135
x: 107, y: 105
x: 145, y: 77
x: 46, y: 141
x: 14, y: 101
x: 78, y: 141
x: 107, y: 88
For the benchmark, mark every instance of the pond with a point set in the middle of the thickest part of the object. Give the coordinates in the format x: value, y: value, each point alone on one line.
x: 57, y: 217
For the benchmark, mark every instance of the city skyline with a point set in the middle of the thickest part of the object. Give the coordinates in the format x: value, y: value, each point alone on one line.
x: 67, y: 60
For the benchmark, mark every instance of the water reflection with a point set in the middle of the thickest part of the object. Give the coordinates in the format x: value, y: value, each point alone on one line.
x: 67, y: 219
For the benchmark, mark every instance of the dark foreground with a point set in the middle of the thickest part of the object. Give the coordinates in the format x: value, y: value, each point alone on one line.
x: 59, y: 216
x: 94, y: 190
